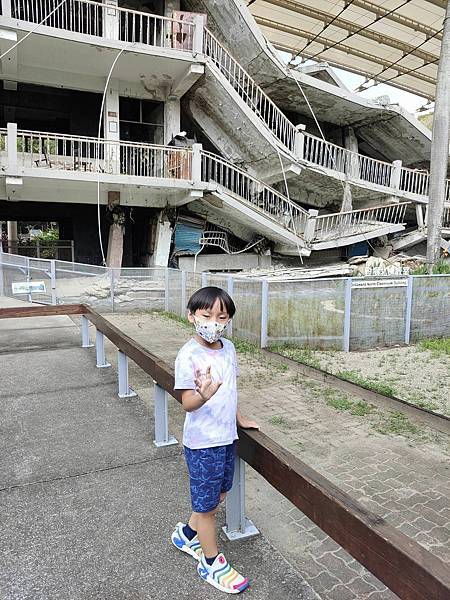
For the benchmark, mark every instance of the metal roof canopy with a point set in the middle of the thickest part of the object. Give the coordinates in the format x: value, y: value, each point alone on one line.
x: 392, y: 41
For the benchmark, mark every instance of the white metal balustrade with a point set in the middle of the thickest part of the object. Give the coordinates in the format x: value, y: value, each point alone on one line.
x: 255, y: 193
x: 352, y: 222
x: 103, y: 20
x: 86, y: 154
x: 250, y: 91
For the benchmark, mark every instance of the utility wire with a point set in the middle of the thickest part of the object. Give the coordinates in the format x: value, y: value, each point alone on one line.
x: 375, y: 76
x: 32, y: 31
x: 348, y: 36
x: 346, y: 5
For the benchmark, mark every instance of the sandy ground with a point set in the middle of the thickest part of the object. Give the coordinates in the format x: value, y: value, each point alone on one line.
x: 421, y: 377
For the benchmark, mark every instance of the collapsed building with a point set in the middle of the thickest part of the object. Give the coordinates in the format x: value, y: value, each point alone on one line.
x: 166, y: 132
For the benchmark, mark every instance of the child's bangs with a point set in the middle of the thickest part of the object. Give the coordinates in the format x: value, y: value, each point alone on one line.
x: 205, y: 298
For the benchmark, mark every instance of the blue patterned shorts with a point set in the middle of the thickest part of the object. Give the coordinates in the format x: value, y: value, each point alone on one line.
x: 211, y: 472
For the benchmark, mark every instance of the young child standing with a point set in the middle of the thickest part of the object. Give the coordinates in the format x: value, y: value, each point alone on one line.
x: 205, y: 372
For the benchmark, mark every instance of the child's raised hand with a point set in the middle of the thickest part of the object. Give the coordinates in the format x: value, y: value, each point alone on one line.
x: 204, y: 385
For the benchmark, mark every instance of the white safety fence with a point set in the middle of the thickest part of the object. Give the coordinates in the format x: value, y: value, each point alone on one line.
x: 341, y: 313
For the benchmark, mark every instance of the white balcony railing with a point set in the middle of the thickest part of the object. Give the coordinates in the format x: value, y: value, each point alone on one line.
x: 358, y: 221
x: 57, y: 151
x: 103, y: 20
x: 255, y: 193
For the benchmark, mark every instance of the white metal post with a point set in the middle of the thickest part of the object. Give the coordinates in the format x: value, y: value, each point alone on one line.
x: 85, y: 343
x: 100, y: 350
x: 53, y: 281
x: 237, y: 525
x: 396, y: 174
x: 162, y: 436
x: 204, y: 279
x: 6, y: 8
x: 408, y: 308
x: 166, y: 290
x: 347, y: 314
x: 183, y: 293
x: 111, y: 288
x: 264, y: 312
x: 124, y: 388
x: 230, y: 290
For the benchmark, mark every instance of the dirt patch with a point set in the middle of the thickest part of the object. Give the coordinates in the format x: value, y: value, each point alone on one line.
x: 415, y: 374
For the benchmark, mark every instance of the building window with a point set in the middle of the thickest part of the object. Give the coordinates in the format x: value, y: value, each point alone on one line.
x: 141, y: 121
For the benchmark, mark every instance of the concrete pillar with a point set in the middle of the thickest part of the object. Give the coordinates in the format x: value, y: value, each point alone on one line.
x: 310, y: 228
x: 115, y: 246
x: 396, y: 174
x: 111, y: 20
x: 111, y: 129
x: 347, y: 201
x: 11, y: 147
x: 299, y: 144
x: 172, y: 118
x: 351, y: 143
x: 12, y: 237
x: 170, y: 6
x: 116, y: 231
x: 163, y: 241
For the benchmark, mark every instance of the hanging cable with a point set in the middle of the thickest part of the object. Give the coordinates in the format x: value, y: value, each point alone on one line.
x: 363, y: 87
x: 98, y: 153
x: 333, y: 159
x: 349, y: 35
x: 346, y: 5
x: 32, y: 31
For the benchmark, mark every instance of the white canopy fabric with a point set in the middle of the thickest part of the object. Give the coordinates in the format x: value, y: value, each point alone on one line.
x: 392, y: 41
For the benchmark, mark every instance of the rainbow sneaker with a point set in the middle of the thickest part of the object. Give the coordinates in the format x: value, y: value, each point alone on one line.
x: 222, y: 575
x: 180, y: 541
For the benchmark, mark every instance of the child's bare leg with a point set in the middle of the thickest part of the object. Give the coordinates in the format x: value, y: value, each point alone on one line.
x: 206, y: 529
x: 193, y: 518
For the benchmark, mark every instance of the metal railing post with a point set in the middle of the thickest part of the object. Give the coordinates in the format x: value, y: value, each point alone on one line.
x: 264, y: 312
x: 408, y: 308
x: 230, y: 290
x: 85, y: 342
x: 237, y: 525
x: 124, y: 387
x: 183, y: 293
x: 162, y: 436
x: 53, y: 281
x: 347, y: 314
x: 100, y: 350
x: 166, y: 290
x: 204, y: 279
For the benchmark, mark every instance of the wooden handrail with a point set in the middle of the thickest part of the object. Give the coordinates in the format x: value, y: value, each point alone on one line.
x: 406, y: 567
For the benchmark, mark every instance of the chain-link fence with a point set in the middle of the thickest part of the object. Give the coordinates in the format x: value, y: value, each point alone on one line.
x: 330, y: 314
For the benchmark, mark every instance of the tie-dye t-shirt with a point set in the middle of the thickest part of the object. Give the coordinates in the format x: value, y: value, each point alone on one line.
x: 214, y: 423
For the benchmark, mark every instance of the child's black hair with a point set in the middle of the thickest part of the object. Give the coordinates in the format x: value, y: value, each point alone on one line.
x: 205, y: 298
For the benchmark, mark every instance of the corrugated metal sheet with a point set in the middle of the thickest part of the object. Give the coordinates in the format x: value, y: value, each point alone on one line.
x: 187, y: 237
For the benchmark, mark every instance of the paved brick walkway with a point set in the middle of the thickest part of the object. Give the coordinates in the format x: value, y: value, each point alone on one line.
x: 404, y: 478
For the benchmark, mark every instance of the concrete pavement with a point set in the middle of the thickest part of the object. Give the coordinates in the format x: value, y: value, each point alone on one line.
x: 87, y: 503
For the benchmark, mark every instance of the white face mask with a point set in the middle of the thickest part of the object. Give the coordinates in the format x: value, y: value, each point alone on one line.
x: 210, y: 331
